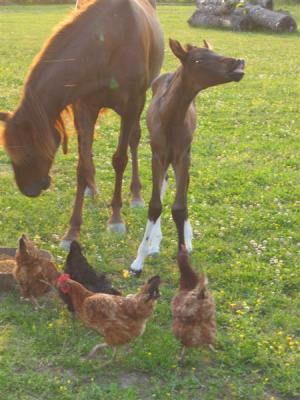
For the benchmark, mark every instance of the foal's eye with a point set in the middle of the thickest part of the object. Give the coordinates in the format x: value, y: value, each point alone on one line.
x: 198, y: 61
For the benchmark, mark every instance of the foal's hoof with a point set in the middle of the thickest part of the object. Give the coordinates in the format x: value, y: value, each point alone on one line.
x: 137, y: 203
x: 118, y: 227
x: 135, y: 273
x: 65, y: 244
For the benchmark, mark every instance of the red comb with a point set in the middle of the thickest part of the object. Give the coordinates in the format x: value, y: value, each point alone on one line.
x: 63, y: 278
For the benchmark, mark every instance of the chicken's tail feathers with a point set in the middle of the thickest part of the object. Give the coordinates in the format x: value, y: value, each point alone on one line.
x: 152, y: 287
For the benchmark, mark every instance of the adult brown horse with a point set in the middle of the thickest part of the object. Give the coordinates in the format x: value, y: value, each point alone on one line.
x: 104, y: 56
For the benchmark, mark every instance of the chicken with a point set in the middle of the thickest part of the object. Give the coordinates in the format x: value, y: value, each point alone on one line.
x: 80, y: 271
x: 33, y: 272
x: 193, y: 308
x: 118, y: 319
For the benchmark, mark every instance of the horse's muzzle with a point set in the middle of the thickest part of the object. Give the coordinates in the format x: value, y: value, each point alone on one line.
x: 36, y: 188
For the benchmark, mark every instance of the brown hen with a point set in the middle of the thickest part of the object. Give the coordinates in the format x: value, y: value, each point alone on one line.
x: 193, y: 308
x: 118, y: 319
x: 33, y: 272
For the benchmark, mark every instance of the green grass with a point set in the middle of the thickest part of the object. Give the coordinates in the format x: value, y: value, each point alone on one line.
x: 244, y: 207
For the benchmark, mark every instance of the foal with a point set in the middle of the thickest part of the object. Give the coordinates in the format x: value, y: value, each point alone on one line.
x: 171, y: 120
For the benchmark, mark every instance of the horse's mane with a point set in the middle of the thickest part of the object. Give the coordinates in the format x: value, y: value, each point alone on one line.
x: 30, y: 111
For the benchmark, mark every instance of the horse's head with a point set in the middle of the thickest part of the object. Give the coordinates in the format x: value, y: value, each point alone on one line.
x: 31, y: 153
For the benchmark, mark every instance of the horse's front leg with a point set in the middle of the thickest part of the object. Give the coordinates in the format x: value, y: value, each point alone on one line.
x: 84, y: 119
x: 130, y: 117
x: 152, y: 235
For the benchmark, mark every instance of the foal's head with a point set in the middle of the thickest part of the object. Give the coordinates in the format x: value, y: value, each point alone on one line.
x: 31, y: 152
x: 203, y: 68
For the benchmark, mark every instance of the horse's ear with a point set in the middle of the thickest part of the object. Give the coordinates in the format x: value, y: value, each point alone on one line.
x: 178, y: 50
x: 4, y: 116
x: 207, y: 45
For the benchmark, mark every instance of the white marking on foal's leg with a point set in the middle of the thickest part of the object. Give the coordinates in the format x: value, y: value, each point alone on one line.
x: 188, y: 235
x: 143, y: 250
x: 156, y: 235
x: 156, y: 238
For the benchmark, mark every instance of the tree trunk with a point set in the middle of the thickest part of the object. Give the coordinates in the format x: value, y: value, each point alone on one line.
x: 221, y: 9
x: 269, y: 4
x: 238, y: 22
x: 277, y: 22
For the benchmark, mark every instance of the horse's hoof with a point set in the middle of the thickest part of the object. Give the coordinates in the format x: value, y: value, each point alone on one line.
x: 137, y: 203
x: 135, y: 273
x: 136, y: 268
x: 65, y: 244
x: 118, y: 227
x: 89, y: 192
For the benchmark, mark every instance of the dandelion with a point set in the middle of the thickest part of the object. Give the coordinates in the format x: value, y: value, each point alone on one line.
x: 125, y: 273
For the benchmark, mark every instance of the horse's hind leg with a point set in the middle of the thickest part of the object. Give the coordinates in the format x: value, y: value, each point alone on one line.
x: 179, y: 209
x: 84, y: 118
x: 129, y: 120
x: 135, y: 186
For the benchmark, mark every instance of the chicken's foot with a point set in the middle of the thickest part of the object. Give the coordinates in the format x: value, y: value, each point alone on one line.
x: 35, y: 303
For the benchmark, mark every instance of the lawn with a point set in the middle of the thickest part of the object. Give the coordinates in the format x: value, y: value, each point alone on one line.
x: 244, y: 203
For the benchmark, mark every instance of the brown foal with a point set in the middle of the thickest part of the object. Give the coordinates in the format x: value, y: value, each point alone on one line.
x: 104, y: 56
x: 171, y: 120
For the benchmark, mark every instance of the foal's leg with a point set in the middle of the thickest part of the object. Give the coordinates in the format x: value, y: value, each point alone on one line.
x: 135, y: 186
x: 84, y: 118
x: 179, y: 209
x: 159, y: 168
x: 129, y: 119
x: 156, y: 235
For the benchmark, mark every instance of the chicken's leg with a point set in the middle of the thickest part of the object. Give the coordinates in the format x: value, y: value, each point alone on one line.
x: 35, y: 303
x: 94, y: 350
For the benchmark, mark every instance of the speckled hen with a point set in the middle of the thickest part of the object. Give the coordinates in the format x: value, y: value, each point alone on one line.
x: 193, y: 307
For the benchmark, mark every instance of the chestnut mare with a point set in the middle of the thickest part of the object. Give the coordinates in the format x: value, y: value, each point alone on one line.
x: 104, y: 56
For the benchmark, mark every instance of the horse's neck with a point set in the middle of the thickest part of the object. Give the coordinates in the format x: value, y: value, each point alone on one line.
x: 41, y: 104
x: 177, y: 98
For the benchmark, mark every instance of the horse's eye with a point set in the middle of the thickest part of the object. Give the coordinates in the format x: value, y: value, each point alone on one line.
x: 198, y: 61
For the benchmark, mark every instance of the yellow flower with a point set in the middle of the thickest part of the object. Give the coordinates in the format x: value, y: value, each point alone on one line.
x: 125, y: 273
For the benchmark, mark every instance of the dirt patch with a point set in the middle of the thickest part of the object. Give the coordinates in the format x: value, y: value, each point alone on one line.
x: 136, y: 379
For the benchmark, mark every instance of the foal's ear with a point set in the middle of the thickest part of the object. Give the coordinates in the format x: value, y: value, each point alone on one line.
x: 4, y: 116
x: 178, y: 50
x: 207, y: 45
